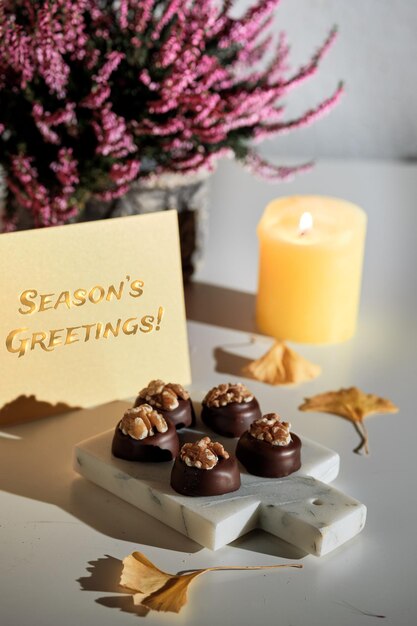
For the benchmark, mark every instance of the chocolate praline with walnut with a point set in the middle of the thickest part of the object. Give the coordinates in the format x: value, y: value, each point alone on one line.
x: 269, y: 449
x: 205, y: 468
x: 229, y: 409
x: 171, y: 400
x: 144, y: 435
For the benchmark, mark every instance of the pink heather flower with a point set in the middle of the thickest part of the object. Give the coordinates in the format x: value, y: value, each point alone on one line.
x: 122, y: 173
x: 146, y: 80
x: 103, y: 88
x: 113, y: 60
x: 9, y: 223
x: 273, y: 172
x: 171, y: 127
x: 46, y: 122
x: 97, y: 97
x: 123, y: 13
x: 48, y: 52
x: 143, y: 16
x: 112, y: 135
x: 169, y: 14
x: 65, y: 169
x: 47, y: 209
x: 15, y: 51
x: 112, y: 194
x: 308, y: 118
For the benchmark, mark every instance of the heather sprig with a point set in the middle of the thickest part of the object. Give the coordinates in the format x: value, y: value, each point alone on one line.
x: 96, y: 93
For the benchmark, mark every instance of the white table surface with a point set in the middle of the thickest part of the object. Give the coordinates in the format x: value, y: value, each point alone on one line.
x: 62, y: 539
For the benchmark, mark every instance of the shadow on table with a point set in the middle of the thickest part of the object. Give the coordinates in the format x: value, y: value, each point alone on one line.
x: 220, y: 306
x: 27, y: 408
x: 104, y: 577
x: 36, y: 463
x: 105, y: 572
x: 229, y: 363
x: 264, y: 543
x: 228, y: 308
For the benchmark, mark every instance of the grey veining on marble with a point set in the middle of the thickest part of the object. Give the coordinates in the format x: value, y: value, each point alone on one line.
x: 301, y: 509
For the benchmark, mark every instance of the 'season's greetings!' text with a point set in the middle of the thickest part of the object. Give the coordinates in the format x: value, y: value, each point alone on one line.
x: 20, y: 341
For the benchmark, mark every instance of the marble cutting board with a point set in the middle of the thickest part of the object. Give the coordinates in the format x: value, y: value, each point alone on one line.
x: 301, y: 509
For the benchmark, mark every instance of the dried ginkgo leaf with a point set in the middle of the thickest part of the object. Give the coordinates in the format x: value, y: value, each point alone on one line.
x: 160, y: 591
x: 173, y: 596
x: 352, y: 404
x: 281, y: 366
x: 142, y: 575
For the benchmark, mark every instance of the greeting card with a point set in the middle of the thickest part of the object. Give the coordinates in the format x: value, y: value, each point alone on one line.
x: 89, y: 313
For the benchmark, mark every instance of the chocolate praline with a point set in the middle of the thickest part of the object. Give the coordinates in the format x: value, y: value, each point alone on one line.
x: 233, y: 419
x: 182, y: 417
x: 193, y: 481
x: 261, y: 458
x: 156, y: 448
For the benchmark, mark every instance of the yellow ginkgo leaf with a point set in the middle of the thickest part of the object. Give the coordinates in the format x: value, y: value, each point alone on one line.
x: 281, y: 366
x: 352, y: 404
x: 140, y: 574
x: 160, y: 591
x: 173, y: 595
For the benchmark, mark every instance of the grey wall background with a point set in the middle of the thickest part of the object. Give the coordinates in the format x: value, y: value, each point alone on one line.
x: 376, y: 56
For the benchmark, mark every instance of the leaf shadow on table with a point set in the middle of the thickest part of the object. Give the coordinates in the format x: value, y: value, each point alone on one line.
x: 104, y: 577
x: 36, y: 463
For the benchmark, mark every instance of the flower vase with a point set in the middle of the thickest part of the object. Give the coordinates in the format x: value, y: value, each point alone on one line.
x: 187, y: 194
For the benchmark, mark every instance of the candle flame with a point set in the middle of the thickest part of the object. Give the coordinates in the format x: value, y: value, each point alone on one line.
x: 306, y: 223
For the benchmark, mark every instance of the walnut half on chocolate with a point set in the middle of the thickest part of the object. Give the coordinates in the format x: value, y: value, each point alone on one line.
x: 270, y: 428
x: 226, y: 393
x: 269, y: 449
x: 142, y: 421
x: 163, y: 395
x: 229, y: 409
x: 143, y: 435
x: 169, y: 399
x: 203, y: 454
x: 204, y: 468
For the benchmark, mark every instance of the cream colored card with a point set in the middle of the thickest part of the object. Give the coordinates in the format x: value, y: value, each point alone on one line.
x: 89, y: 313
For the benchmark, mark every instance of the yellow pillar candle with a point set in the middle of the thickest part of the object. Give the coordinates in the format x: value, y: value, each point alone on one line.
x: 310, y: 268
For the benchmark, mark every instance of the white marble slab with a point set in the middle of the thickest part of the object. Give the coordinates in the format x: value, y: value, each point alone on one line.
x: 301, y: 509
